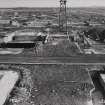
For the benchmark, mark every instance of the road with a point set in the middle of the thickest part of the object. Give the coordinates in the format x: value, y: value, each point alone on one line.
x: 31, y: 59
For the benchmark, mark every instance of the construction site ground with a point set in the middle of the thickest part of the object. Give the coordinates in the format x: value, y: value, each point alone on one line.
x: 54, y: 85
x: 55, y: 51
x: 51, y: 85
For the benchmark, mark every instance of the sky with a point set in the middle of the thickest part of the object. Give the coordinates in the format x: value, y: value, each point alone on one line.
x: 50, y: 3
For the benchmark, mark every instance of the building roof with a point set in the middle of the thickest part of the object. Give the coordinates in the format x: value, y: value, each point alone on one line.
x: 4, y: 21
x: 36, y: 24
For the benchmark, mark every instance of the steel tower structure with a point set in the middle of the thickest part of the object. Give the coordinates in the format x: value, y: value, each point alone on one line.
x: 63, y: 16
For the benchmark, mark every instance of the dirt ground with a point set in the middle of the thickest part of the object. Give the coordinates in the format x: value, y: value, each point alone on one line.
x: 51, y: 85
x: 56, y: 48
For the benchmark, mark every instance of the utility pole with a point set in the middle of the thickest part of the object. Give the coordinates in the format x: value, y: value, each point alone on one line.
x: 63, y: 16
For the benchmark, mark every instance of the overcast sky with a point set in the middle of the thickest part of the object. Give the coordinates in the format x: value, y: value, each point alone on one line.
x: 49, y: 3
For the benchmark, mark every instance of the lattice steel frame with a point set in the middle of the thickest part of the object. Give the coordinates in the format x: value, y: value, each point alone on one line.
x: 63, y: 16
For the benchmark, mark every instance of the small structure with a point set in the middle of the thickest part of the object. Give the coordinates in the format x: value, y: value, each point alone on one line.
x: 15, y: 23
x: 36, y: 23
x: 4, y: 22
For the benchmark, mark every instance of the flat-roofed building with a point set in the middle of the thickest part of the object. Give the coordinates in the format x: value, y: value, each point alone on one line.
x: 4, y: 21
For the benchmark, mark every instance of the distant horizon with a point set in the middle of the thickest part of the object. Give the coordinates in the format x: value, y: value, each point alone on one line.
x: 56, y: 7
x: 50, y: 3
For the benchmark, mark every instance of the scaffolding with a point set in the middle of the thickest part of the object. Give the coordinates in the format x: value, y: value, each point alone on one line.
x: 63, y: 16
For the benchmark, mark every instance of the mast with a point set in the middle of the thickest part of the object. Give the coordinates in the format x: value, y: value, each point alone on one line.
x: 63, y: 16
